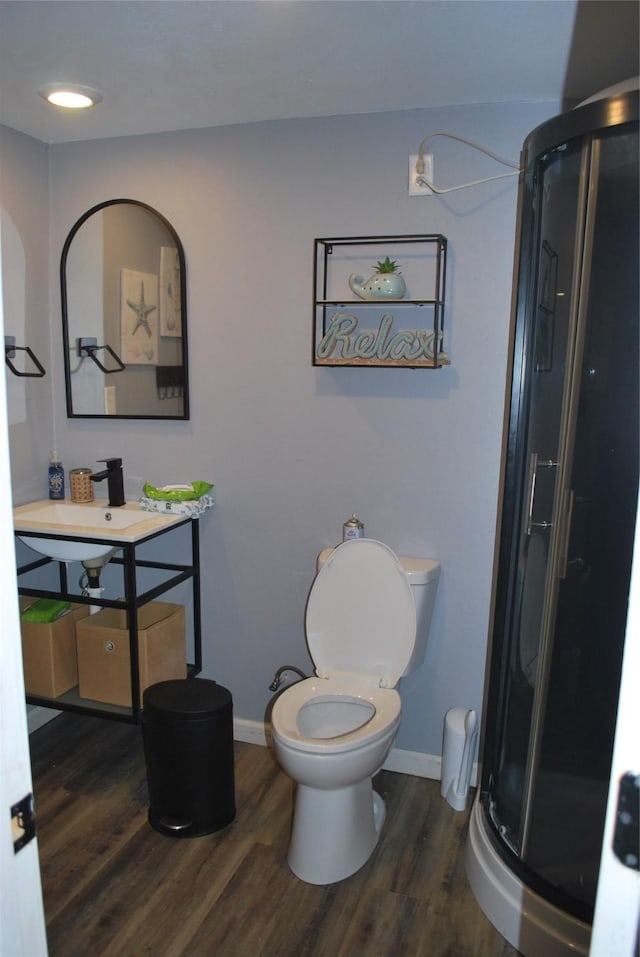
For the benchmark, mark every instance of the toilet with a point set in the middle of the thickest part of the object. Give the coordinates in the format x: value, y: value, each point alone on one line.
x: 367, y: 623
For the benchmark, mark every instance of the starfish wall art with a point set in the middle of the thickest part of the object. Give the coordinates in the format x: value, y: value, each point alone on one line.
x: 139, y: 317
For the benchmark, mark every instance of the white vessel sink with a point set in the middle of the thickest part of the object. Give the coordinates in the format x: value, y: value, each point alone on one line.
x: 126, y: 523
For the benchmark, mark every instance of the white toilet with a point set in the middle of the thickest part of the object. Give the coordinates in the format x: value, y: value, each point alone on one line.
x: 367, y: 623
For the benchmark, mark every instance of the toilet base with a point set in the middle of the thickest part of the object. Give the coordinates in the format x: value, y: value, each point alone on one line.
x: 334, y: 832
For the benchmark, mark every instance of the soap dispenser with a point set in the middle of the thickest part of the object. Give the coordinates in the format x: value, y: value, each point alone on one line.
x: 56, y: 476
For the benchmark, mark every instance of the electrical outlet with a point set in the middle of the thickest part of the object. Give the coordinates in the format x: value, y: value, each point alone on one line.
x: 416, y: 188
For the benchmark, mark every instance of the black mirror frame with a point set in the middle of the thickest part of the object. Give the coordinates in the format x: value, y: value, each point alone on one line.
x: 65, y: 317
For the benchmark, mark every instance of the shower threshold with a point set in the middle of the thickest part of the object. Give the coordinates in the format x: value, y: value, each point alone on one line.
x: 527, y: 921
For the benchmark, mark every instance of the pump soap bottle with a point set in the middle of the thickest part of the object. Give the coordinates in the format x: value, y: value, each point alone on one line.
x: 56, y: 476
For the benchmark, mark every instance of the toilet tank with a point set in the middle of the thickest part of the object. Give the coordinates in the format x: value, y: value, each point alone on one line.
x: 423, y: 575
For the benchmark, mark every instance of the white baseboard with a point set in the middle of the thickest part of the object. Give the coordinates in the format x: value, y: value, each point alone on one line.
x: 404, y: 762
x: 417, y: 763
x: 414, y: 762
x: 251, y: 732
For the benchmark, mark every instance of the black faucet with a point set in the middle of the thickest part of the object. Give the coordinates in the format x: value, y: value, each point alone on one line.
x: 115, y: 480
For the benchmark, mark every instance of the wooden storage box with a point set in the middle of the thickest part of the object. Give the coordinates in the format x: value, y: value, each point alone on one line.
x: 104, y: 660
x: 49, y: 652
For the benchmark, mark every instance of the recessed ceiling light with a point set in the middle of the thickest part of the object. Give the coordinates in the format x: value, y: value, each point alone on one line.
x: 70, y: 96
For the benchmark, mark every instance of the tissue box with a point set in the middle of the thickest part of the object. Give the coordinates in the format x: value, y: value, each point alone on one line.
x: 49, y: 652
x: 104, y: 661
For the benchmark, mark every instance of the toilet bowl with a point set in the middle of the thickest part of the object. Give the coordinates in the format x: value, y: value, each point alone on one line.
x: 331, y: 733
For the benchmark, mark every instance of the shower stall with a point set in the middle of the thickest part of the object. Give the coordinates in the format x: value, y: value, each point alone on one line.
x: 566, y: 534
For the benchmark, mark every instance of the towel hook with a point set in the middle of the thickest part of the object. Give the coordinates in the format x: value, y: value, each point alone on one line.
x: 10, y: 349
x: 89, y: 347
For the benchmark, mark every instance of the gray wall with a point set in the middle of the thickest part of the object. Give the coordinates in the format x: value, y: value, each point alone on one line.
x: 24, y: 198
x: 293, y: 449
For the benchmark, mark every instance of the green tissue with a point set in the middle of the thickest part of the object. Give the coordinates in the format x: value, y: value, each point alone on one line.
x: 177, y: 493
x: 46, y: 610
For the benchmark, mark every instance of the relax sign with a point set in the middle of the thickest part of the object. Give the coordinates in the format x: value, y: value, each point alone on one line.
x: 343, y: 343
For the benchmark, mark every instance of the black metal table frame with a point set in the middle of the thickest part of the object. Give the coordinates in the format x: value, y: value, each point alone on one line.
x: 131, y: 602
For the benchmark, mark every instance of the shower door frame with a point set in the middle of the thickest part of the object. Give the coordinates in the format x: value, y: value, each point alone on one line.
x: 586, y: 124
x: 563, y: 497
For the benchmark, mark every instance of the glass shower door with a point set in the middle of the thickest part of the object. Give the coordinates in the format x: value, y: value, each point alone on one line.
x: 576, y: 728
x: 566, y: 551
x: 546, y: 355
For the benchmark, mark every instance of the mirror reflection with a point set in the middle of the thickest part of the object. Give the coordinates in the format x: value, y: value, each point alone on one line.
x: 124, y: 315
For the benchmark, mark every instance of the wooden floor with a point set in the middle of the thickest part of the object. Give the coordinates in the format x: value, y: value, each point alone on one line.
x: 114, y: 886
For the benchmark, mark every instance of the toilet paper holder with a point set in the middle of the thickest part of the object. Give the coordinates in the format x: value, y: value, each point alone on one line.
x: 459, y: 745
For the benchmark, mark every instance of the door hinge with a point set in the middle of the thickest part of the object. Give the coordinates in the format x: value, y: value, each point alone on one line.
x: 626, y: 834
x: 23, y: 822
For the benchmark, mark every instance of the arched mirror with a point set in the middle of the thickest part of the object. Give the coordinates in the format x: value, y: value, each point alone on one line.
x: 124, y: 315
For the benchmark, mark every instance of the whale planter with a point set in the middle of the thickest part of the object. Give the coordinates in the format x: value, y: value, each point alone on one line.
x: 386, y: 282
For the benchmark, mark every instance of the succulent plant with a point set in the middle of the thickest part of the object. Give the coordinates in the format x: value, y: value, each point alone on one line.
x: 387, y: 265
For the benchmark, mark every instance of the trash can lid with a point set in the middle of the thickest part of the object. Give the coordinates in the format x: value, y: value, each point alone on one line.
x: 187, y: 697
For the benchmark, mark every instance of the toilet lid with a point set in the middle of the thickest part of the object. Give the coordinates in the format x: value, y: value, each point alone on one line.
x: 361, y: 615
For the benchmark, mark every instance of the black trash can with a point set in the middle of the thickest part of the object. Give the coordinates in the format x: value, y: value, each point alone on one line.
x: 187, y: 729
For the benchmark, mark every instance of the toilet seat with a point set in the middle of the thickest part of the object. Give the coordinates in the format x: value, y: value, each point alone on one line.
x: 361, y: 616
x: 337, y: 688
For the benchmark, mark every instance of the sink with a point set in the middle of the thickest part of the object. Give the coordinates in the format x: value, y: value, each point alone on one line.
x: 69, y: 515
x: 67, y: 551
x: 127, y: 523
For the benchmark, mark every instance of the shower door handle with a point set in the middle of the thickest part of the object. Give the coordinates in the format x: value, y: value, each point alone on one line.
x: 535, y: 463
x: 531, y: 491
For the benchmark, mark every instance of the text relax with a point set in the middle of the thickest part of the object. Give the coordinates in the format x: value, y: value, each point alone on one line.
x: 343, y: 341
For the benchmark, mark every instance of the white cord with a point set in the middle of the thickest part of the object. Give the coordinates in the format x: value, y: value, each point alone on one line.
x: 77, y: 368
x: 423, y: 181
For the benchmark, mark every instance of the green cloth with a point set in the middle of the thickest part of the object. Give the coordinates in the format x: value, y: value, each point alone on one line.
x: 177, y: 494
x: 46, y: 610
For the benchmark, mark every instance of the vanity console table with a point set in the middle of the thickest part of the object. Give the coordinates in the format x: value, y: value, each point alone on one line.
x: 160, y: 577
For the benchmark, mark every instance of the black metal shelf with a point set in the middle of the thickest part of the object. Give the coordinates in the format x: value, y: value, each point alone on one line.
x: 367, y: 335
x: 377, y: 302
x: 133, y: 599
